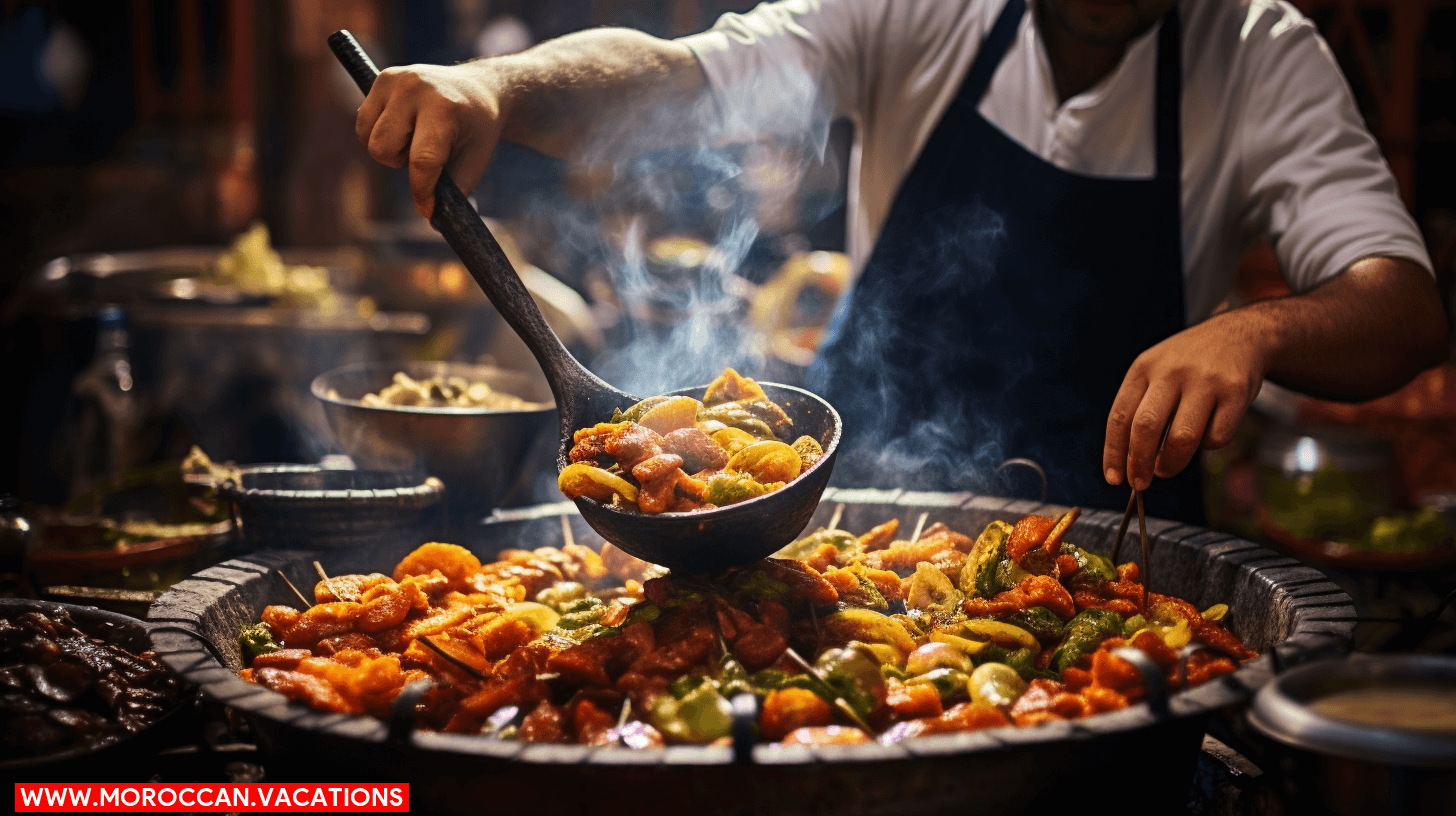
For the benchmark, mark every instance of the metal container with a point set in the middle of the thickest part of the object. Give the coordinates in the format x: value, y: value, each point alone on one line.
x: 1141, y: 757
x: 1356, y: 769
x: 479, y: 453
x: 131, y: 759
x: 311, y: 506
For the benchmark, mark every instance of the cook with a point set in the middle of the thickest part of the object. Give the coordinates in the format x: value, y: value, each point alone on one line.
x: 1046, y: 206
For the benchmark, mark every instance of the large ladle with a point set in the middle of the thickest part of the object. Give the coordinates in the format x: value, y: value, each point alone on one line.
x: 700, y: 540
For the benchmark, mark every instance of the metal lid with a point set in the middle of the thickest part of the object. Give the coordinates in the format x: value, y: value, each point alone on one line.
x: 1281, y: 709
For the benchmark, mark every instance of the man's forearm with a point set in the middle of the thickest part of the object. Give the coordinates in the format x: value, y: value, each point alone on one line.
x: 1359, y: 336
x: 589, y: 86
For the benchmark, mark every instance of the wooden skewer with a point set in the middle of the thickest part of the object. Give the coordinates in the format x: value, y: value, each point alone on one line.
x: 307, y: 604
x: 328, y: 582
x: 839, y: 702
x: 919, y: 525
x: 457, y: 662
x: 1122, y: 528
x: 838, y: 514
x: 567, y: 539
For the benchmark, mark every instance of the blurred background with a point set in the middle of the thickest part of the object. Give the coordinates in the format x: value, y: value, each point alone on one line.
x: 190, y: 234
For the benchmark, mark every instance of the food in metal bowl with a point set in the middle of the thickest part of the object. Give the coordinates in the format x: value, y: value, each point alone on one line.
x: 670, y: 454
x: 440, y: 391
x: 64, y: 688
x: 840, y: 638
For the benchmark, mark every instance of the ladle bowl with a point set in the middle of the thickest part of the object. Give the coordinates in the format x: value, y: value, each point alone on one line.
x: 703, y: 539
x: 738, y: 533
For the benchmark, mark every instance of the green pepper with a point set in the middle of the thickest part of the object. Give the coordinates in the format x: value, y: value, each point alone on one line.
x: 766, y: 680
x: 589, y: 631
x: 685, y: 685
x: 978, y: 576
x: 727, y: 488
x: 1084, y: 633
x: 561, y: 595
x: 1091, y: 567
x: 582, y: 612
x: 855, y: 677
x: 759, y: 585
x: 735, y: 415
x: 1024, y: 661
x: 949, y: 683
x: 891, y: 671
x: 702, y: 715
x: 1040, y: 621
x: 1133, y: 624
x: 732, y: 678
x: 642, y: 613
x: 1009, y: 575
x: 256, y: 640
x: 865, y: 594
x: 806, y: 546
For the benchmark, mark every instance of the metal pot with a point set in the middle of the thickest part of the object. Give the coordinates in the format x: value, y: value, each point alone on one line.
x: 1353, y: 768
x: 1277, y: 604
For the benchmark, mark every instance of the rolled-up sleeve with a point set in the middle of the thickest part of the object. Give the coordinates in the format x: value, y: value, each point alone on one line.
x: 1314, y: 179
x: 783, y: 68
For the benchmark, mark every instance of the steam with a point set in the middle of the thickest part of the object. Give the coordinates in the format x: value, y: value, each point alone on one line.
x: 683, y: 331
x: 682, y: 326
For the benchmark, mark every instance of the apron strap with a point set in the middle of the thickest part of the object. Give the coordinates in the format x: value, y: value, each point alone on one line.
x: 992, y: 49
x: 1169, y: 94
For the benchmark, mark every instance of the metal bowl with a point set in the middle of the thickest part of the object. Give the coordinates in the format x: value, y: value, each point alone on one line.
x: 1356, y: 768
x: 478, y: 453
x: 311, y: 506
x: 1276, y: 604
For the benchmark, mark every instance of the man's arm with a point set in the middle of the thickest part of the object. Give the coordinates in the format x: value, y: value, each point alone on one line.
x: 555, y: 97
x: 1361, y: 335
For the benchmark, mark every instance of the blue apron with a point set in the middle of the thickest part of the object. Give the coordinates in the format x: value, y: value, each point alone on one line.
x: 1003, y: 304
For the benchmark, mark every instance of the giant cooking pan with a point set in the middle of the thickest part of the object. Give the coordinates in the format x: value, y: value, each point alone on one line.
x: 1136, y: 757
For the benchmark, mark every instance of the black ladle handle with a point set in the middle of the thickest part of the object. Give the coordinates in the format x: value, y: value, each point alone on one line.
x: 458, y: 221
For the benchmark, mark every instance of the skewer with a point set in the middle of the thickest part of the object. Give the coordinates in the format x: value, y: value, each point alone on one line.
x: 919, y: 525
x: 328, y: 582
x: 1122, y: 528
x: 567, y: 539
x: 306, y: 603
x: 839, y: 702
x: 838, y: 513
x: 455, y: 661
x: 1143, y: 534
x: 1136, y: 497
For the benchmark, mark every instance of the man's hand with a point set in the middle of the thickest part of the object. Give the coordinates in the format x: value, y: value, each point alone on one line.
x: 1202, y: 379
x: 554, y: 98
x: 428, y: 116
x: 1361, y: 335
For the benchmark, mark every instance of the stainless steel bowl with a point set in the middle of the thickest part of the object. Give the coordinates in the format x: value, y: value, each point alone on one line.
x: 478, y: 453
x: 1354, y: 768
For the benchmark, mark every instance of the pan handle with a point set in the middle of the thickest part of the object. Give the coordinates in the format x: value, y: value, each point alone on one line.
x: 1154, y: 683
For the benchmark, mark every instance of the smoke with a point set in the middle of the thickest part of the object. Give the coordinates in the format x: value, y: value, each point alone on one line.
x: 908, y: 425
x: 681, y: 315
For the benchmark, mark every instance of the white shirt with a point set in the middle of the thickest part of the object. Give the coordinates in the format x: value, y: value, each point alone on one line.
x: 1273, y: 144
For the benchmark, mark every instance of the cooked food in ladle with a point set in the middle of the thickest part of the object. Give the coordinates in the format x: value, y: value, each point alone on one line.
x: 671, y: 454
